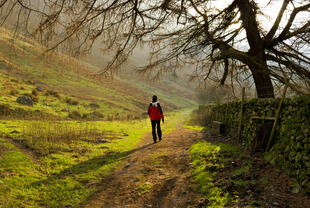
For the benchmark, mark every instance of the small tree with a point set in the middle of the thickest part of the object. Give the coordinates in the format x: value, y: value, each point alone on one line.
x: 226, y: 40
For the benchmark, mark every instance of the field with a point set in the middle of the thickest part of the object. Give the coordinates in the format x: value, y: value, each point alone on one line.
x: 60, y: 163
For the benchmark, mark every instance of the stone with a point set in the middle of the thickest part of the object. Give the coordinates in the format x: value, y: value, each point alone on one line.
x: 126, y: 134
x: 65, y: 110
x: 25, y: 100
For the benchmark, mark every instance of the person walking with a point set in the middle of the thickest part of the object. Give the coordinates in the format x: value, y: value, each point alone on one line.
x: 156, y: 114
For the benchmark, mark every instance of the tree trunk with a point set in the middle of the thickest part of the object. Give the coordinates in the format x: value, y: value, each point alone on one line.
x: 258, y: 63
x: 262, y: 80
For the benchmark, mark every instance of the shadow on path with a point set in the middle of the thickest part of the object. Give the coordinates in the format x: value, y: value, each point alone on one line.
x: 159, y: 198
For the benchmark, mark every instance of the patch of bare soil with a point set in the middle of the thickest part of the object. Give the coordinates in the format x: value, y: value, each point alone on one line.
x: 154, y: 175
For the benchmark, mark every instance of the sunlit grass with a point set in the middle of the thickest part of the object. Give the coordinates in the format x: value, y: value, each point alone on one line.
x: 206, y: 162
x: 23, y: 58
x: 66, y: 177
x: 145, y: 187
x: 66, y: 170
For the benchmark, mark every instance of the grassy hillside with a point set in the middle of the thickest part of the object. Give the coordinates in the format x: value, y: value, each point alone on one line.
x: 48, y: 160
x: 69, y: 87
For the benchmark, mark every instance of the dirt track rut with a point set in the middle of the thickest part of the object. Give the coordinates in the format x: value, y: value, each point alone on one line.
x: 153, y: 176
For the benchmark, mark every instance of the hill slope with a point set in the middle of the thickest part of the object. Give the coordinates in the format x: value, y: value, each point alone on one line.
x: 69, y: 87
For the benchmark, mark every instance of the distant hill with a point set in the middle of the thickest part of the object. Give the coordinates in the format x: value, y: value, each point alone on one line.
x: 64, y: 87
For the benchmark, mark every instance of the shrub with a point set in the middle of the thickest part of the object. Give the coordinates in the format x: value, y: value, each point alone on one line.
x: 13, y: 92
x: 35, y: 99
x: 94, y: 105
x: 52, y: 93
x: 31, y: 82
x: 71, y: 101
x: 93, y: 115
x: 75, y: 115
x: 34, y: 92
x: 5, y: 110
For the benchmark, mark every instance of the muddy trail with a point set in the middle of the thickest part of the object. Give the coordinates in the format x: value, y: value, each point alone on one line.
x: 154, y: 175
x: 158, y: 176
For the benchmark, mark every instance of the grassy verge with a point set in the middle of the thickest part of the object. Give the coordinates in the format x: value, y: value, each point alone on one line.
x: 221, y: 174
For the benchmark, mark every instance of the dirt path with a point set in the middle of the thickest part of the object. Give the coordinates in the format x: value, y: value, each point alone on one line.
x: 154, y: 176
x: 24, y: 149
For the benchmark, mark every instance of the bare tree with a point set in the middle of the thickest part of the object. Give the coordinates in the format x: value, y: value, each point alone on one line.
x: 228, y: 39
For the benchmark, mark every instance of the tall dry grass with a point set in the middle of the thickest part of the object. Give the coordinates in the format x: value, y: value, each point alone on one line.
x: 48, y: 137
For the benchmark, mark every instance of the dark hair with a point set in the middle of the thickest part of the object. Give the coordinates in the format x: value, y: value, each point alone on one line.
x: 154, y: 99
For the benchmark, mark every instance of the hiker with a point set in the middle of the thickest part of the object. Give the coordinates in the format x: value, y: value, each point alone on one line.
x: 156, y: 113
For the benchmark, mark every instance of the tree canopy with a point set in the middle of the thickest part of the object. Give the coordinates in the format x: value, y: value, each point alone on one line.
x: 234, y: 39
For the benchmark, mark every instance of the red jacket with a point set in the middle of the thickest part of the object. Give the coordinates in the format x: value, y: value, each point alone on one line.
x: 155, y: 112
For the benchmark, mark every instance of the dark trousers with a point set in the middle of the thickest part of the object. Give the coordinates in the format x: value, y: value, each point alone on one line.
x: 154, y: 124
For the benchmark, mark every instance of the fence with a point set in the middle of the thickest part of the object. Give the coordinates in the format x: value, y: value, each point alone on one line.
x: 288, y: 123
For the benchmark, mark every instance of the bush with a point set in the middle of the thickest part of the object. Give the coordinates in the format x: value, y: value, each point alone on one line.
x: 5, y: 110
x: 52, y: 93
x: 35, y: 92
x: 71, y: 101
x: 94, y: 105
x: 35, y: 99
x: 75, y: 115
x: 93, y: 115
x: 13, y: 92
x: 31, y: 82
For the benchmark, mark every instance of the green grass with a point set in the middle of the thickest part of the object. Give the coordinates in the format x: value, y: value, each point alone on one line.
x: 65, y: 171
x: 145, y: 187
x: 197, y: 128
x: 118, y: 99
x: 53, y: 106
x: 207, y: 161
x: 64, y: 178
x: 63, y: 160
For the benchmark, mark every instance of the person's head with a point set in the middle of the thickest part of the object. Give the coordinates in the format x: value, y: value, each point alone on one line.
x: 154, y: 99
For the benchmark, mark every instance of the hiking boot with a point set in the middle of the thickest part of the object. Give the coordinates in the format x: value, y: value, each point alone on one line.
x: 159, y: 139
x: 155, y: 141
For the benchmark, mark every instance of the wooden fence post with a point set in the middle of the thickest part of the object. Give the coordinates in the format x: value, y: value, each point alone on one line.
x: 273, y: 130
x: 226, y: 114
x: 241, y: 115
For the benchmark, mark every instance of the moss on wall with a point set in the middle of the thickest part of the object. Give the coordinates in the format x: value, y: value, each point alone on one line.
x: 291, y: 148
